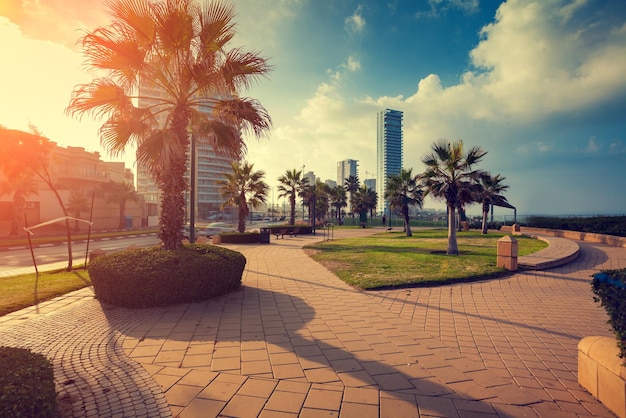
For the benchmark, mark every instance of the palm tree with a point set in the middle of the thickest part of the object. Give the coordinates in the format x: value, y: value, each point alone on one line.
x: 322, y: 200
x: 490, y: 194
x: 364, y: 200
x: 241, y: 188
x: 351, y: 184
x: 170, y: 73
x: 291, y: 183
x: 77, y: 204
x: 120, y: 193
x: 448, y: 171
x: 338, y: 200
x: 403, y: 191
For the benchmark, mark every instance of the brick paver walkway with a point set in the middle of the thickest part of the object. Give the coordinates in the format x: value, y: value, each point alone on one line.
x: 296, y: 341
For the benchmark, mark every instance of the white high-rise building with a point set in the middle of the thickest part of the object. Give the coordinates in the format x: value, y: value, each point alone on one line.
x: 388, y: 152
x: 210, y: 168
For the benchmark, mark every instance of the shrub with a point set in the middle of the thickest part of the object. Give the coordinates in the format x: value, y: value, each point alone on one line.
x: 610, y: 289
x: 240, y: 238
x: 26, y: 384
x: 149, y: 277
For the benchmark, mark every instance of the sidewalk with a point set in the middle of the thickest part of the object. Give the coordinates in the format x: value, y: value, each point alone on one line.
x: 297, y: 341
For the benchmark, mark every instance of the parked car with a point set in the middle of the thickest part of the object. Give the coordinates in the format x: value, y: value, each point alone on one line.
x: 215, y: 228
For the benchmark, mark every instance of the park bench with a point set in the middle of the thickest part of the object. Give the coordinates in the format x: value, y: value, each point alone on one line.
x: 282, y: 233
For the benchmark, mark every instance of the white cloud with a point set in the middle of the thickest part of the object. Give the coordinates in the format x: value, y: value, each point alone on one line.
x: 355, y: 24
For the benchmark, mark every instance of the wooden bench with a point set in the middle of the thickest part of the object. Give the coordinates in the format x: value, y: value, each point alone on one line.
x: 282, y: 233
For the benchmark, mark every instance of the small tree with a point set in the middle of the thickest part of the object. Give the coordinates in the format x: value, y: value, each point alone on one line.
x: 30, y: 151
x: 490, y: 194
x: 243, y: 187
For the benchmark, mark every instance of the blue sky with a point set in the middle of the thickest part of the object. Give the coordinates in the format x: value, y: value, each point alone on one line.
x: 541, y: 85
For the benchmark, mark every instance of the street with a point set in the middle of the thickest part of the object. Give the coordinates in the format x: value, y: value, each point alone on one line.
x: 49, y: 257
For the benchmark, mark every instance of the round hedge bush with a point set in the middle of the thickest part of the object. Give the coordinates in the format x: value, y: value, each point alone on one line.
x: 150, y: 277
x: 26, y: 384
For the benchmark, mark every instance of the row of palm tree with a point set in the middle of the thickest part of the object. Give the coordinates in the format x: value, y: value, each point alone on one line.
x: 178, y: 49
x: 451, y: 177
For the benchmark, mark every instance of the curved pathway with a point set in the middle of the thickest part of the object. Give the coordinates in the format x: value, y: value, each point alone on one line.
x: 296, y: 341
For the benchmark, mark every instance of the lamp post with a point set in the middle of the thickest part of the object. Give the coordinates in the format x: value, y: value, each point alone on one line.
x: 192, y: 188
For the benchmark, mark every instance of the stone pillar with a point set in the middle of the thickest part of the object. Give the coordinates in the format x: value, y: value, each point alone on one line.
x: 507, y: 253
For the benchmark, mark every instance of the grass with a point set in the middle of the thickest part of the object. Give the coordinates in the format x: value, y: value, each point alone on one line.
x: 395, y: 260
x: 18, y: 292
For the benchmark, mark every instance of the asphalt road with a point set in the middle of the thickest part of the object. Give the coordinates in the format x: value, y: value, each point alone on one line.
x: 48, y: 257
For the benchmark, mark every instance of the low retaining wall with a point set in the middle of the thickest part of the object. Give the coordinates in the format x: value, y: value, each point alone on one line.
x: 575, y: 235
x: 601, y: 373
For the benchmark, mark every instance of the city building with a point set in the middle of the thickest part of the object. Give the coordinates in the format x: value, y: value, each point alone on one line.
x: 345, y: 169
x: 210, y: 169
x: 388, y: 152
x: 370, y: 183
x: 74, y: 170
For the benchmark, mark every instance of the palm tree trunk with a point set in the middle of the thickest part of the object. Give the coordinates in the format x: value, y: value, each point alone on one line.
x: 173, y: 185
x: 485, y: 213
x: 292, y: 202
x: 453, y: 249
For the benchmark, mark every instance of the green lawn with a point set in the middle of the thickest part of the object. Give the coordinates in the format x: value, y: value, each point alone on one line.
x: 393, y: 259
x: 18, y: 292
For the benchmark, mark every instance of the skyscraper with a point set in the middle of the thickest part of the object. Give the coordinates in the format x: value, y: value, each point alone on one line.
x: 345, y: 169
x: 388, y: 151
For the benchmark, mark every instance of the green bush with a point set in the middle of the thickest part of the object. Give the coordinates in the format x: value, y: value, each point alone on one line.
x: 26, y: 384
x: 149, y: 277
x: 609, y: 225
x: 610, y: 289
x: 240, y: 238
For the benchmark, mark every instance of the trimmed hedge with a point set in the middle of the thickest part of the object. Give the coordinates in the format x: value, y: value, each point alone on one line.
x: 609, y: 286
x: 150, y: 277
x: 26, y: 384
x: 240, y: 238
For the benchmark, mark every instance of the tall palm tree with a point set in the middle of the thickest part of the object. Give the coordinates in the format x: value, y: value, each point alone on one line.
x: 120, y: 193
x: 77, y: 204
x: 338, y: 200
x: 490, y: 194
x: 291, y: 183
x: 241, y: 188
x: 403, y: 191
x: 351, y: 184
x: 448, y: 171
x: 172, y: 56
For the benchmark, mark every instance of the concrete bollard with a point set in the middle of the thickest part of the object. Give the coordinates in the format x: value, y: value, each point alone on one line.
x: 96, y: 253
x: 507, y: 253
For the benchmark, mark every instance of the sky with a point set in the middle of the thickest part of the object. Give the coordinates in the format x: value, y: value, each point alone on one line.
x: 539, y: 84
